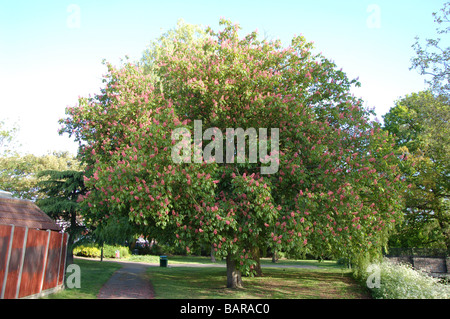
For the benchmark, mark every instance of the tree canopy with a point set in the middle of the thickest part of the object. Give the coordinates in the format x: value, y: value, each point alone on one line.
x: 336, y: 188
x: 432, y: 59
x: 420, y: 124
x: 19, y: 173
x: 7, y: 136
x: 61, y: 190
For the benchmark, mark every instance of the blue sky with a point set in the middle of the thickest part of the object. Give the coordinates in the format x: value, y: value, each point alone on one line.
x: 51, y: 51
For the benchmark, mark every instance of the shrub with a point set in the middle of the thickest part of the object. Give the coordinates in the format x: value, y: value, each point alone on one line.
x: 165, y: 249
x: 401, y: 281
x: 344, y: 262
x: 94, y: 250
x: 87, y: 251
x: 109, y: 251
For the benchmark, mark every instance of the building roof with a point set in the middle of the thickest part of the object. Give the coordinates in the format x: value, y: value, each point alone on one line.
x: 5, y: 194
x: 25, y: 213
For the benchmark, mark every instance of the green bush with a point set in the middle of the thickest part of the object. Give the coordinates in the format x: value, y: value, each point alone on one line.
x: 94, y: 250
x: 109, y: 251
x: 164, y: 249
x: 401, y: 281
x: 87, y: 251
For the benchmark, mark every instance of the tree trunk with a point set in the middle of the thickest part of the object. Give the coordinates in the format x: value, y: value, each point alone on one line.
x: 234, y: 278
x: 274, y: 256
x: 72, y: 230
x: 69, y: 255
x: 256, y: 256
x: 213, y: 258
x: 444, y: 229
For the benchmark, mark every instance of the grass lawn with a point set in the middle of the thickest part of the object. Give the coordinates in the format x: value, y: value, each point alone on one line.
x: 93, y: 275
x: 173, y: 259
x: 321, y: 280
x: 327, y: 281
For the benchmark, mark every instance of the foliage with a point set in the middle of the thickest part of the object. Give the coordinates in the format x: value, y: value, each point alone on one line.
x: 113, y: 229
x: 87, y: 251
x: 94, y: 250
x: 165, y: 44
x: 19, y: 173
x: 7, y: 137
x: 420, y: 124
x: 109, y: 251
x: 401, y: 281
x: 62, y: 190
x: 337, y: 189
x: 432, y: 59
x: 159, y: 248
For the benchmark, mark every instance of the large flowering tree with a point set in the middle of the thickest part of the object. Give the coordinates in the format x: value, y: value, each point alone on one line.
x: 336, y: 190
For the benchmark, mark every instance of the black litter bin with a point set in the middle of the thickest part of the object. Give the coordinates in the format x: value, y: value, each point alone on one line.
x: 163, y: 261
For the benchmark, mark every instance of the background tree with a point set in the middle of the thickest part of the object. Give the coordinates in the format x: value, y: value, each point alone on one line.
x: 420, y: 124
x: 19, y: 173
x: 7, y: 137
x: 229, y: 82
x: 336, y: 191
x: 433, y: 58
x: 103, y: 226
x: 62, y: 190
x: 184, y: 32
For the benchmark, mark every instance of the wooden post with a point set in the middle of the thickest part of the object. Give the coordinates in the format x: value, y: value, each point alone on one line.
x: 60, y: 256
x: 8, y: 258
x: 65, y: 257
x: 24, y: 247
x: 44, y: 267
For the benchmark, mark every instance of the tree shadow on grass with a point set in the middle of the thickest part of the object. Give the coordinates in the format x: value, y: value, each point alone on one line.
x: 292, y: 283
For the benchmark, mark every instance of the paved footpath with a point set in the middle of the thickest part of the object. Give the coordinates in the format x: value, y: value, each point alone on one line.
x: 129, y: 282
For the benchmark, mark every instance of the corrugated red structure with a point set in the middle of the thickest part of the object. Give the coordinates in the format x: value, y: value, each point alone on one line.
x: 32, y: 251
